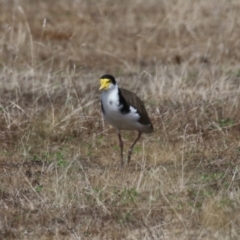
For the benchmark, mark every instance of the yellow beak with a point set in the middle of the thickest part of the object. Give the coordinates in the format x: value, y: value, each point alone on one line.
x: 104, y: 84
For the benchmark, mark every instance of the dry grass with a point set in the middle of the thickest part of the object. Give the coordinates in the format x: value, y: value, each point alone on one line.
x: 59, y: 161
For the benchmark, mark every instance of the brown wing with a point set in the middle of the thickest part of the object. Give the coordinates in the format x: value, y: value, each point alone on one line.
x: 133, y: 100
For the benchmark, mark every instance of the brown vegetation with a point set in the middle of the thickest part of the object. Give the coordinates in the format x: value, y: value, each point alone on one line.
x: 59, y: 162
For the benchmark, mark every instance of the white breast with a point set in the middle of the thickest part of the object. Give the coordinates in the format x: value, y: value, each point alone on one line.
x: 112, y: 114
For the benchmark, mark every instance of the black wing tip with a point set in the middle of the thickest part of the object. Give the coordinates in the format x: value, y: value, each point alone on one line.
x: 150, y: 129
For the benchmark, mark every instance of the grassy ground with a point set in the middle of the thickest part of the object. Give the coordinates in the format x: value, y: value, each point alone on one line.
x: 59, y: 161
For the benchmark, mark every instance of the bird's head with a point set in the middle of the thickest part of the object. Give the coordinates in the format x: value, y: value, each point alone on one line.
x: 107, y: 82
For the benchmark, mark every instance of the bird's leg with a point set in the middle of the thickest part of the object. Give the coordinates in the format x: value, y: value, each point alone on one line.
x: 130, y: 149
x: 121, y: 147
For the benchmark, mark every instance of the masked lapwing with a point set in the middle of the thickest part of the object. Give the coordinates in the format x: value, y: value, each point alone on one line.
x: 124, y: 110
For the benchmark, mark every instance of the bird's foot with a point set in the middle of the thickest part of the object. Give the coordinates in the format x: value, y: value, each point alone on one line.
x: 129, y: 155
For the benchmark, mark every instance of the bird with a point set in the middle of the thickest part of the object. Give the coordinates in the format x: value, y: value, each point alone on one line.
x: 124, y: 110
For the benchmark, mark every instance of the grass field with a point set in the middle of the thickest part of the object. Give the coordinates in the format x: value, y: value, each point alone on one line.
x: 59, y: 161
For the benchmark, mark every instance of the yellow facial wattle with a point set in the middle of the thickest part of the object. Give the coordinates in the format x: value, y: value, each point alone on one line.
x: 104, y: 84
